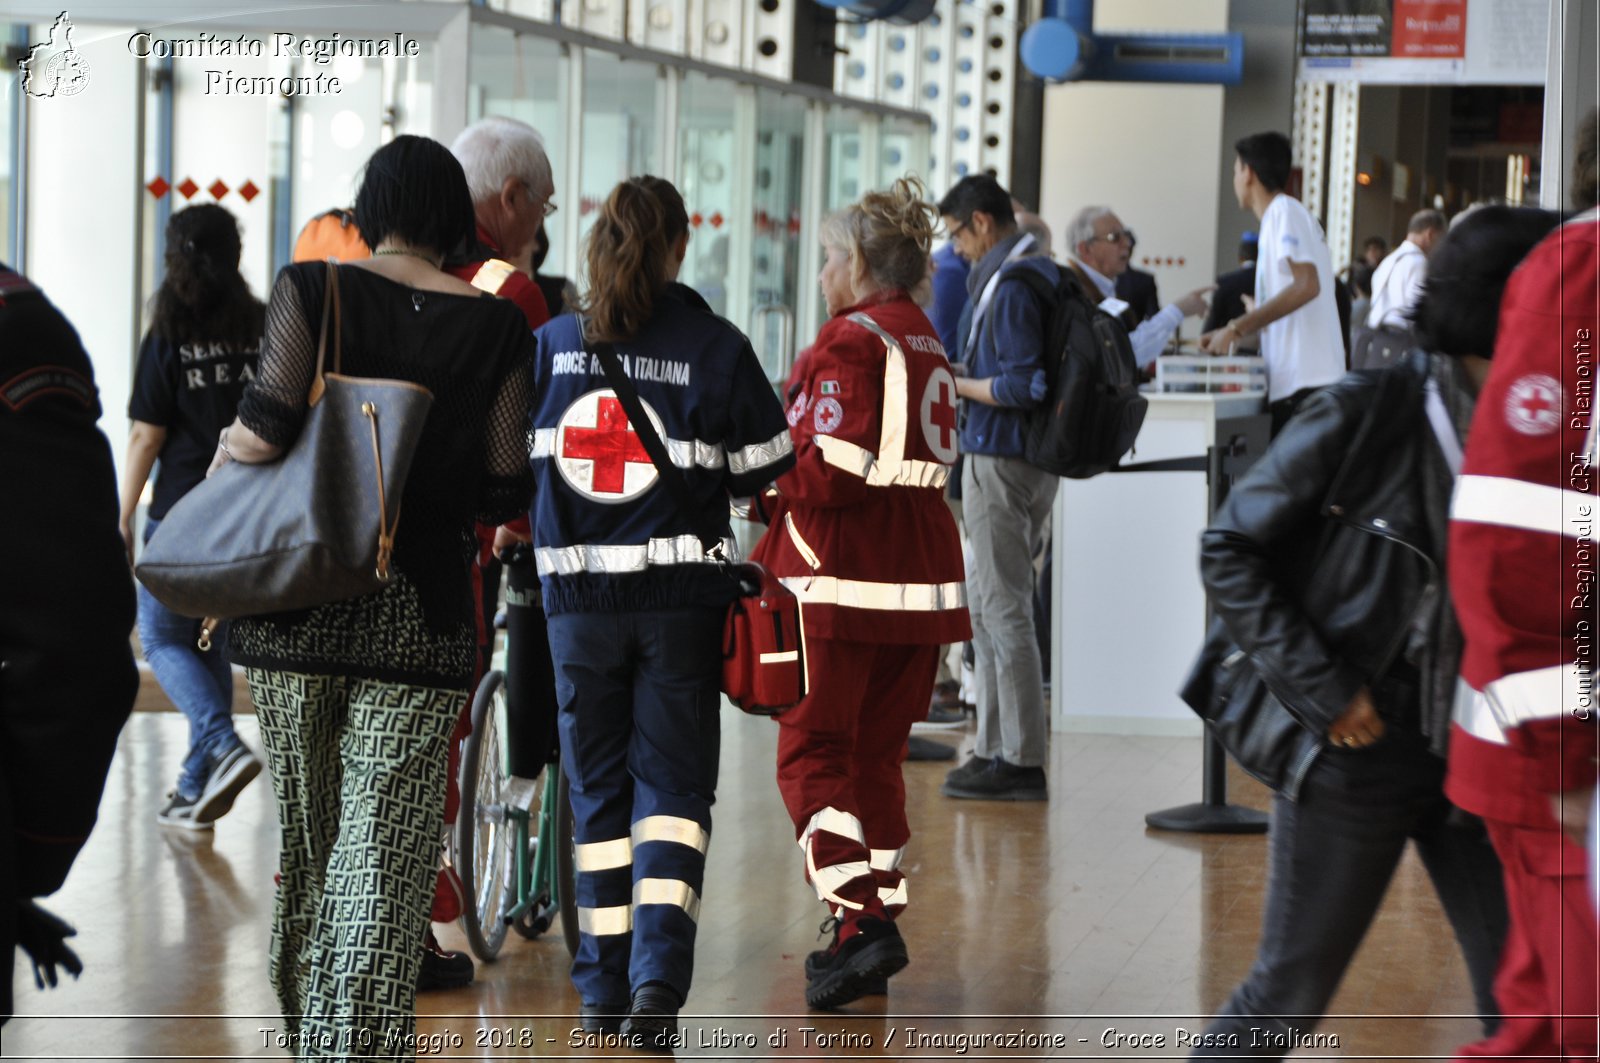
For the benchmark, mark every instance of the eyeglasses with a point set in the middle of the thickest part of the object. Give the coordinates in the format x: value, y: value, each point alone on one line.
x: 1116, y: 236
x: 548, y: 208
x: 960, y: 225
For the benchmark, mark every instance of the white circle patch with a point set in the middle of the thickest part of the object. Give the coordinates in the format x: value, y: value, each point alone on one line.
x: 826, y: 416
x: 939, y: 414
x: 599, y: 454
x: 1534, y: 404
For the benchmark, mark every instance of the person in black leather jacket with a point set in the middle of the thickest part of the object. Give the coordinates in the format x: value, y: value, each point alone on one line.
x: 1325, y: 568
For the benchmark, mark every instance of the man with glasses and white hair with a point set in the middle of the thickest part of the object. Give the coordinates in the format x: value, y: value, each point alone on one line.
x: 509, y: 176
x: 1101, y: 249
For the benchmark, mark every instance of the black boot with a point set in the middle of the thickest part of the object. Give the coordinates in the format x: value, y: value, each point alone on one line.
x: 652, y: 1022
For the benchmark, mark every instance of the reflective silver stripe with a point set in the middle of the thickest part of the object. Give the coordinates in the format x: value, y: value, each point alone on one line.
x: 571, y: 560
x: 828, y: 880
x: 780, y: 658
x: 491, y: 276
x: 892, y: 897
x: 1472, y: 714
x: 667, y: 891
x: 757, y: 455
x: 892, y: 432
x: 671, y: 829
x: 602, y: 856
x: 858, y: 461
x: 834, y: 821
x: 800, y: 544
x: 860, y: 594
x: 602, y: 921
x: 1519, y: 504
x: 1540, y: 694
x: 885, y: 859
x: 685, y: 453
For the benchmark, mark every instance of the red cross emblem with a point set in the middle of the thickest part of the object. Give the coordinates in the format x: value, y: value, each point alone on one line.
x: 939, y: 414
x: 1533, y: 404
x: 598, y: 452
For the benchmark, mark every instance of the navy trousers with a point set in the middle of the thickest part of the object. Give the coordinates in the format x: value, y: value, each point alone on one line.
x: 639, y: 700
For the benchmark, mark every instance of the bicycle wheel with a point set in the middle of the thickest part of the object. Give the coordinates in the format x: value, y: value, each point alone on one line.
x: 566, y: 865
x: 483, y: 836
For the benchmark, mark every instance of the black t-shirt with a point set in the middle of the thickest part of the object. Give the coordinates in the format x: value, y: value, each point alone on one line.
x: 192, y: 390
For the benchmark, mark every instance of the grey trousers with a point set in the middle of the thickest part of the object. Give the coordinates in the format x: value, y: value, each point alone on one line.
x: 1006, y: 505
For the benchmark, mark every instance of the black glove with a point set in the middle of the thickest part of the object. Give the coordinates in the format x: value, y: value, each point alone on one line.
x: 44, y: 937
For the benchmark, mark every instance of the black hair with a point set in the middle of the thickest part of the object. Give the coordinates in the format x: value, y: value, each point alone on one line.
x: 977, y: 192
x: 1361, y: 278
x: 203, y: 298
x: 1268, y: 155
x: 1586, y: 162
x: 541, y: 248
x: 415, y: 190
x: 1459, y: 309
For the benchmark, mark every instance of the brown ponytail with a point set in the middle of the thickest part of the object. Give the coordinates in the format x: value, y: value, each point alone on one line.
x: 626, y: 254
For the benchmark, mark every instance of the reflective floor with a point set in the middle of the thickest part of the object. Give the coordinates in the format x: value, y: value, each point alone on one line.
x: 1056, y: 927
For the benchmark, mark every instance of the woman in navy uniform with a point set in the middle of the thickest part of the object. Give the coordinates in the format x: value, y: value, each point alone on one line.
x: 635, y: 609
x: 862, y: 535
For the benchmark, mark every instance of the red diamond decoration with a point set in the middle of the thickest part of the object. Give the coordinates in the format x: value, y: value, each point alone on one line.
x: 696, y: 219
x: 158, y: 187
x: 188, y: 188
x: 716, y: 220
x: 218, y: 189
x: 794, y: 225
x: 248, y: 190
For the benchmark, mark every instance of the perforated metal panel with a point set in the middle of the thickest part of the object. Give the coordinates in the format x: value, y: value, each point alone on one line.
x: 1307, y: 140
x: 1346, y: 108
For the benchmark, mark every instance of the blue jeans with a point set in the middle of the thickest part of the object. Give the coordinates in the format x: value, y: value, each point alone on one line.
x: 199, y: 684
x: 1333, y: 854
x: 639, y: 698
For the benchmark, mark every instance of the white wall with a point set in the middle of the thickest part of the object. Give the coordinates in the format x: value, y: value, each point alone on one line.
x: 1153, y: 153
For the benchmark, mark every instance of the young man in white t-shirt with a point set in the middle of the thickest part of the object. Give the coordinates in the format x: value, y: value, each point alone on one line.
x: 1295, y: 312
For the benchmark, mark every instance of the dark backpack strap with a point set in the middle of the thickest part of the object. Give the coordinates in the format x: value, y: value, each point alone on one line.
x: 671, y: 476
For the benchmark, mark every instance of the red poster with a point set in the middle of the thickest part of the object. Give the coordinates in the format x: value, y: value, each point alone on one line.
x: 1429, y: 29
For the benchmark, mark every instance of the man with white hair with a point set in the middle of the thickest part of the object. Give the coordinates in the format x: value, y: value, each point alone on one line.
x: 509, y: 176
x: 1101, y: 248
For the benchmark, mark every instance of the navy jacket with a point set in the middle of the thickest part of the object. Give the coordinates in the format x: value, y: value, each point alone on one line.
x: 607, y: 535
x: 1009, y: 348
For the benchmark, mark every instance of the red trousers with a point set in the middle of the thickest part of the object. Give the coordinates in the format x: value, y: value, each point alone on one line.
x: 1546, y: 986
x: 839, y: 757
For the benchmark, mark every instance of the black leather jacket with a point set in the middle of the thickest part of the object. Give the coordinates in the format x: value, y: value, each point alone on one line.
x: 1324, y: 569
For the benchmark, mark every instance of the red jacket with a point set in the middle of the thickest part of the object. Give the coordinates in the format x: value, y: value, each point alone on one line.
x: 860, y: 530
x: 1523, y: 544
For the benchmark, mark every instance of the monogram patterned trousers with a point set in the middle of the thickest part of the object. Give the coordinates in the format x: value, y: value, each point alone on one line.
x: 358, y: 767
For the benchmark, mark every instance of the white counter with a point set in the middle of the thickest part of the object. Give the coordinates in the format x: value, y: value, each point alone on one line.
x: 1128, y: 608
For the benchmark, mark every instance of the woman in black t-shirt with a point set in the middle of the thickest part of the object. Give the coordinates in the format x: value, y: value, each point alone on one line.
x: 201, y: 351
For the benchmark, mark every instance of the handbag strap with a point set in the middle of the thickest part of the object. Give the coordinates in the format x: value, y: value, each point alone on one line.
x: 672, y: 477
x: 330, y: 311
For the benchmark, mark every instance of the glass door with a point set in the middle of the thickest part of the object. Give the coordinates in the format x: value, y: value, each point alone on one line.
x: 775, y: 230
x: 707, y: 175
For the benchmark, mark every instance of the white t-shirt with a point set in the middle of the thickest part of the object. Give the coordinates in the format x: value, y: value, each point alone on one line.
x: 1396, y: 286
x: 1303, y: 349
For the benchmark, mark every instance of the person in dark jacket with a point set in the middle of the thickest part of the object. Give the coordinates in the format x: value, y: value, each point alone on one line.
x: 1325, y: 568
x: 69, y: 678
x: 635, y: 601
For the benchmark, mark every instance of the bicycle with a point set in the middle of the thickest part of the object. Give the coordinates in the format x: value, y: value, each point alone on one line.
x: 515, y: 863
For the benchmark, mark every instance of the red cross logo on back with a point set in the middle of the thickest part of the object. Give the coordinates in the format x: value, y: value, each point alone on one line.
x: 1534, y: 403
x: 939, y: 414
x: 599, y: 453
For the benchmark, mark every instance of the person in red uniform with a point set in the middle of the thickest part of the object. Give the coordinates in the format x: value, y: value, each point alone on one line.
x: 1522, y: 569
x: 860, y: 532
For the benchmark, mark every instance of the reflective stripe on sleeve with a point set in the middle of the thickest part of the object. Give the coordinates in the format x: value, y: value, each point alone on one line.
x: 573, y: 560
x: 491, y: 276
x: 671, y: 891
x: 1520, y: 504
x: 860, y: 594
x: 758, y: 455
x: 603, y: 856
x: 1540, y: 694
x: 1471, y: 713
x: 600, y: 922
x: 670, y: 829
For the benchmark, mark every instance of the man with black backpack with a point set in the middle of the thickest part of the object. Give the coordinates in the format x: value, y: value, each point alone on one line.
x: 1006, y: 500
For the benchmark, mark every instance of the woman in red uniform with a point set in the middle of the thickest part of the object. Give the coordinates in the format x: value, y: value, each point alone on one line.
x: 861, y: 533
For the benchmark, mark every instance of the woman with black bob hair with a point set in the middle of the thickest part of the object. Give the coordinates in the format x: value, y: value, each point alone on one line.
x: 357, y: 698
x: 201, y: 351
x: 1325, y: 568
x: 635, y: 604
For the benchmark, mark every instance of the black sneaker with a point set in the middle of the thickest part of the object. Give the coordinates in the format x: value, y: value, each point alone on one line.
x: 441, y: 969
x: 818, y: 961
x: 1001, y: 781
x: 941, y: 718
x: 230, y: 773
x: 847, y: 969
x: 975, y: 765
x: 652, y: 1022
x: 179, y: 812
x: 602, y: 1018
x: 918, y: 748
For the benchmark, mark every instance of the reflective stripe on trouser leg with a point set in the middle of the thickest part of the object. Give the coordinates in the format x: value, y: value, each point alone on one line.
x: 885, y: 865
x: 834, y: 845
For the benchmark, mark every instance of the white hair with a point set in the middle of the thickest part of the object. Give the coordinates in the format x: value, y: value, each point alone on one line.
x: 495, y: 148
x: 1081, y: 229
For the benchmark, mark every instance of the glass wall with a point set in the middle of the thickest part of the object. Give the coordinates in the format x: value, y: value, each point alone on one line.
x: 707, y: 166
x: 623, y: 111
